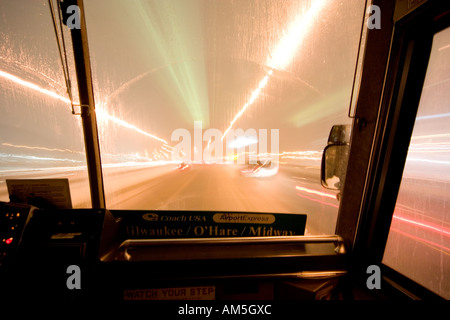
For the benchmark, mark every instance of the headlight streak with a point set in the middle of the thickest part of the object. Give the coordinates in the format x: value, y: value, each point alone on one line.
x: 428, y: 243
x: 287, y: 47
x: 252, y: 99
x: 430, y: 146
x: 423, y: 224
x: 302, y: 155
x: 6, y: 144
x: 33, y: 86
x: 296, y: 155
x: 105, y: 116
x: 7, y: 156
x: 433, y: 116
x: 431, y: 136
x: 35, y: 72
x: 284, y: 52
x: 121, y: 157
x: 167, y: 148
x: 100, y: 113
x: 429, y: 161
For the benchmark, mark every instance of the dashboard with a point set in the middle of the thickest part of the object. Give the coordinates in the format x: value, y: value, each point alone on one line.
x: 120, y: 255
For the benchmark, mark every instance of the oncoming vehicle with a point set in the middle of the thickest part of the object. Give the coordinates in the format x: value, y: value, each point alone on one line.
x: 104, y: 102
x: 262, y: 168
x: 184, y: 166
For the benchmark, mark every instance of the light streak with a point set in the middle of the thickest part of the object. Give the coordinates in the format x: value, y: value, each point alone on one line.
x: 103, y: 115
x: 165, y: 154
x: 33, y: 86
x: 100, y: 113
x: 319, y: 193
x: 252, y: 99
x: 284, y: 52
x: 430, y: 136
x: 422, y: 240
x: 287, y: 47
x: 187, y: 81
x: 429, y: 161
x: 128, y: 84
x: 241, y: 142
x: 298, y: 155
x: 444, y: 47
x: 434, y: 116
x: 165, y: 148
x: 261, y: 172
x: 438, y: 146
x: 295, y: 155
x: 115, y: 157
x: 2, y: 155
x: 329, y: 106
x: 40, y: 148
x: 31, y: 70
x: 441, y: 230
x: 302, y: 155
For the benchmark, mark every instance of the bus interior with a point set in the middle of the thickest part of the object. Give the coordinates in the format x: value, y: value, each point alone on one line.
x: 124, y: 175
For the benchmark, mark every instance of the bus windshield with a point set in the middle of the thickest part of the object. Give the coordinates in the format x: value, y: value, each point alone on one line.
x: 201, y: 104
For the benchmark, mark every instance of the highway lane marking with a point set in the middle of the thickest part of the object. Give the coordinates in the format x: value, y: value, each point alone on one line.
x: 294, y: 178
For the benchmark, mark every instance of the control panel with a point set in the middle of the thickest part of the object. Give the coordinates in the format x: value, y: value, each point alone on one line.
x: 13, y: 219
x: 39, y: 246
x: 121, y: 255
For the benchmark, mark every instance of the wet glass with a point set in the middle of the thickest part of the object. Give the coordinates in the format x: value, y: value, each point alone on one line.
x: 39, y: 136
x: 189, y: 93
x: 418, y: 245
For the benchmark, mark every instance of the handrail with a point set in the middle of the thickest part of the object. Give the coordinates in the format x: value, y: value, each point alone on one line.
x: 235, y: 240
x: 128, y: 246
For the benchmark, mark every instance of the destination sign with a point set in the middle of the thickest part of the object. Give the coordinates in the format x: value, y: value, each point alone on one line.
x: 202, y: 224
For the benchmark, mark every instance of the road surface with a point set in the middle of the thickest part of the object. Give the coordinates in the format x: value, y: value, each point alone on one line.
x: 215, y: 187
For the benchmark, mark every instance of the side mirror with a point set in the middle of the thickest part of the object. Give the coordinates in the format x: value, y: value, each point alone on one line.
x: 334, y: 166
x: 340, y: 134
x: 335, y: 157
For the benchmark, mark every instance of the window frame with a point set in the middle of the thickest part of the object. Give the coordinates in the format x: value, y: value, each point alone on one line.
x: 408, y: 59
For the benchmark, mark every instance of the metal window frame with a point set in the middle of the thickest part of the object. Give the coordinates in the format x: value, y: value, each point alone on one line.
x: 365, y: 222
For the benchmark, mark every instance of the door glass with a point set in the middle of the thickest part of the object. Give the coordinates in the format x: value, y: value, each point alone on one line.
x: 419, y: 239
x: 39, y: 136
